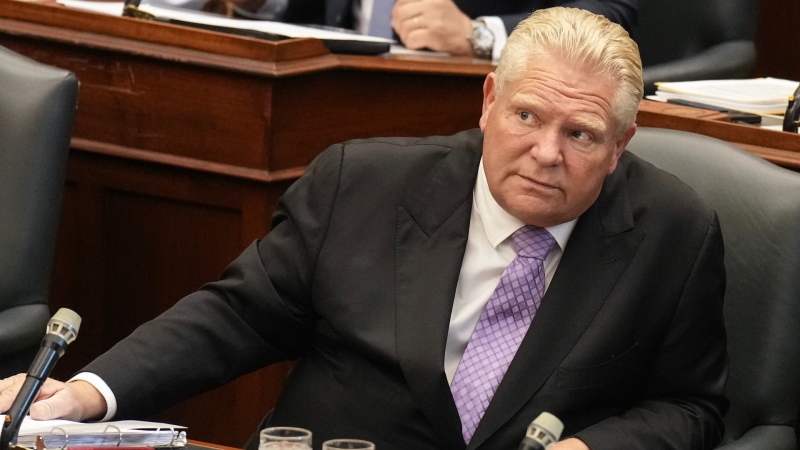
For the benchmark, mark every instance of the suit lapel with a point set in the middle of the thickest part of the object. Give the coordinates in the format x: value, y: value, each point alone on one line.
x: 599, y: 250
x: 431, y: 238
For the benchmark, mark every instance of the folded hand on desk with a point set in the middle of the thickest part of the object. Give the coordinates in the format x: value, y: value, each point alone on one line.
x: 436, y: 25
x: 77, y: 400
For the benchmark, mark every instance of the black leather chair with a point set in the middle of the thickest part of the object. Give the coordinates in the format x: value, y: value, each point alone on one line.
x: 759, y: 210
x: 37, y: 106
x: 683, y: 40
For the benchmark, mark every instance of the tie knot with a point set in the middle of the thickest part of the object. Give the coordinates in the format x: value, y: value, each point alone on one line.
x: 533, y: 242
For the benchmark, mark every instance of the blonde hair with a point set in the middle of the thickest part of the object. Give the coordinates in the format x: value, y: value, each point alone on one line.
x: 590, y: 40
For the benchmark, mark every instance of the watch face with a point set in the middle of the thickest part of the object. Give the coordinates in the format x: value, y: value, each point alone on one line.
x: 482, y: 40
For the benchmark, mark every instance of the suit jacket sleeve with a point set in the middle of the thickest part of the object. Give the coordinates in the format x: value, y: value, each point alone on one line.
x: 623, y: 12
x: 259, y: 312
x: 683, y: 401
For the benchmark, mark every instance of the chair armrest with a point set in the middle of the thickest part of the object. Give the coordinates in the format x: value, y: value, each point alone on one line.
x: 734, y: 59
x: 773, y: 437
x: 22, y: 327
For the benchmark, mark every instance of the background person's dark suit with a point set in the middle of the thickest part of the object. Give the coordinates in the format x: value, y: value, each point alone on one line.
x: 357, y: 279
x: 339, y: 13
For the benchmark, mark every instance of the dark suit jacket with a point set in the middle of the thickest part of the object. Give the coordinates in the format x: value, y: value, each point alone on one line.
x: 338, y: 13
x: 357, y: 280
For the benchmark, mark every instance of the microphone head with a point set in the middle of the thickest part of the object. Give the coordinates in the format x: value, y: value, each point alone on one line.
x: 65, y: 323
x: 545, y: 429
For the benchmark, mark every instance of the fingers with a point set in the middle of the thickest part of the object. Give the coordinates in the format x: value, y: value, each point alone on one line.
x: 50, y: 402
x: 55, y: 400
x: 59, y: 400
x: 8, y: 390
x: 406, y: 16
x: 60, y: 405
x: 432, y: 24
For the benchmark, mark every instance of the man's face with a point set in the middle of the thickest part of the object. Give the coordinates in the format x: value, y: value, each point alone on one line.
x: 549, y: 140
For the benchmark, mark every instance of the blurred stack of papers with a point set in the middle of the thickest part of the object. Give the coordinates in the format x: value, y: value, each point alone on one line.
x: 758, y: 95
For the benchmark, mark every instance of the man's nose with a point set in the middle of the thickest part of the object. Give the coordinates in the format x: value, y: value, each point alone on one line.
x: 546, y: 149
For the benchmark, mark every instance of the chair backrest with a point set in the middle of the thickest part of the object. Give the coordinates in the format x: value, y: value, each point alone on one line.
x: 37, y: 107
x: 758, y: 205
x: 696, y: 39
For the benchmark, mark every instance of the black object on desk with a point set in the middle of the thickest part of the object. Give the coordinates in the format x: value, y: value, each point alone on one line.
x: 791, y: 117
x: 736, y: 116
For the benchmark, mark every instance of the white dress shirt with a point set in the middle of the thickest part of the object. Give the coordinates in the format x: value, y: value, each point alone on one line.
x: 489, y: 251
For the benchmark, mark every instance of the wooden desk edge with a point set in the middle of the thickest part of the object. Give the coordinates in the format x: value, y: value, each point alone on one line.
x: 212, y: 446
x: 777, y: 147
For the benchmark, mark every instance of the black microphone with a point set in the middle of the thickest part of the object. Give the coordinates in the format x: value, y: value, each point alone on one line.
x: 62, y: 329
x: 542, y: 433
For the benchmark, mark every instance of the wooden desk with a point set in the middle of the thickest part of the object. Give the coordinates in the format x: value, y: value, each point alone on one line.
x: 775, y: 146
x: 183, y: 142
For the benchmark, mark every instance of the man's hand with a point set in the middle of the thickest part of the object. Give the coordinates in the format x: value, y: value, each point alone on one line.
x: 436, y: 25
x: 570, y: 444
x: 77, y: 400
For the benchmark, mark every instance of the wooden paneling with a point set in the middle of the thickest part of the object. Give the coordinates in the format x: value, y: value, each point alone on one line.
x: 323, y: 108
x: 778, y: 39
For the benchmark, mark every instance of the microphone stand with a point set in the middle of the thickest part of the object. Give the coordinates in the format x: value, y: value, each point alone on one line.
x: 43, y: 364
x: 61, y: 330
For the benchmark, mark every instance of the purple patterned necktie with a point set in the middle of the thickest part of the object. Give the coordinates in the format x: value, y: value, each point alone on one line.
x: 502, y: 325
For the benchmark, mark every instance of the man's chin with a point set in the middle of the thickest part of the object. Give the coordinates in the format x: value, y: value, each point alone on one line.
x: 540, y: 217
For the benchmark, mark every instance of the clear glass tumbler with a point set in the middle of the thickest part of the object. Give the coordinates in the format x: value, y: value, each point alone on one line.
x: 352, y: 444
x: 285, y: 438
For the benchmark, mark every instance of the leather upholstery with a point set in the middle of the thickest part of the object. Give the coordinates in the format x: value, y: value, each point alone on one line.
x: 759, y: 214
x: 37, y: 106
x: 683, y: 40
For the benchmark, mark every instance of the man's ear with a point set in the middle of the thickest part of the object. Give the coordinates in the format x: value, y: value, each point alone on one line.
x: 620, y: 146
x: 489, y: 97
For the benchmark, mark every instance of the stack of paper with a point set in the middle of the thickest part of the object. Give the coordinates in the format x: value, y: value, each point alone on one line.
x: 758, y: 95
x: 125, y: 433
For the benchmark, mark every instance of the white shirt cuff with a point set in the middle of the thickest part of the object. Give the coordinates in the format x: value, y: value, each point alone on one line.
x: 100, y: 385
x: 498, y: 29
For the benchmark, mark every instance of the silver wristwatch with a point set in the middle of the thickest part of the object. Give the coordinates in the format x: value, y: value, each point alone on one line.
x: 482, y: 40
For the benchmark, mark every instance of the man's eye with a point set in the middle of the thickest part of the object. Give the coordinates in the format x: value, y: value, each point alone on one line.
x: 582, y: 135
x: 524, y: 115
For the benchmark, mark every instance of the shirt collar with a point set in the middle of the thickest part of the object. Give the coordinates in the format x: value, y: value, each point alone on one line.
x: 499, y: 224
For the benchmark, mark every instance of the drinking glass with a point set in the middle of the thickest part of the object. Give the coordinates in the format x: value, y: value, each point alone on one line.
x: 285, y: 438
x: 355, y: 444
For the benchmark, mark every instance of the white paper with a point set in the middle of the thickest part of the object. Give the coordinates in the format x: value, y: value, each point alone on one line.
x: 758, y: 95
x: 30, y: 426
x: 755, y: 90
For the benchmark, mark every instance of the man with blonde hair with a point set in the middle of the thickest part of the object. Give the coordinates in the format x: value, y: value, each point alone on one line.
x: 441, y: 293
